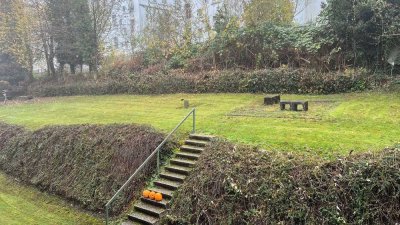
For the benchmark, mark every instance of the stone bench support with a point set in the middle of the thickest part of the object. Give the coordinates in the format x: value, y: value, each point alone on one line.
x: 294, y: 105
x: 271, y: 100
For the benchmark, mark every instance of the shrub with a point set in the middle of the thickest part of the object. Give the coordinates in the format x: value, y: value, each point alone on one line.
x: 7, y: 132
x: 4, y: 85
x: 10, y: 70
x: 281, y: 80
x: 395, y: 86
x: 83, y: 163
x: 123, y: 65
x: 243, y: 185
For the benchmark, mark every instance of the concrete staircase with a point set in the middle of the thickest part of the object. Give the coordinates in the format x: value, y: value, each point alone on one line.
x: 171, y: 177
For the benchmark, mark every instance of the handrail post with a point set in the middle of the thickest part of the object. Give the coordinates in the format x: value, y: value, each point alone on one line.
x: 158, y: 161
x: 194, y: 121
x: 107, y: 208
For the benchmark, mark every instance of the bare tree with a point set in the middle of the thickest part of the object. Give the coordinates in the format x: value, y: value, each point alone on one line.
x: 101, y: 13
x: 45, y: 32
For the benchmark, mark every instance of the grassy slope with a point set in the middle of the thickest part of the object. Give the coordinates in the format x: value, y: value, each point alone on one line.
x: 25, y: 205
x: 335, y: 123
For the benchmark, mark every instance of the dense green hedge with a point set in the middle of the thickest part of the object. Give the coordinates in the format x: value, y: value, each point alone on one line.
x: 243, y: 185
x: 83, y: 163
x: 395, y: 85
x: 266, y: 81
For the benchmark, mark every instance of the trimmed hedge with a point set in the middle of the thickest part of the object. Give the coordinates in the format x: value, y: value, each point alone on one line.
x: 235, y: 184
x: 267, y: 81
x: 83, y: 163
x: 395, y: 85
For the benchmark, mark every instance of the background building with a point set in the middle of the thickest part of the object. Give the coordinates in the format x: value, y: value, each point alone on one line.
x: 308, y: 10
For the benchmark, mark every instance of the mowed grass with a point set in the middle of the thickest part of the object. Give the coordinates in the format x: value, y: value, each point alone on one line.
x: 335, y: 124
x: 21, y: 205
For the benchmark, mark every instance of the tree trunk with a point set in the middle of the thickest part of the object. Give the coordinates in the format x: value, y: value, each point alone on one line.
x: 72, y: 68
x: 51, y: 57
x: 47, y: 57
x: 96, y: 57
x: 30, y: 69
x: 61, y: 69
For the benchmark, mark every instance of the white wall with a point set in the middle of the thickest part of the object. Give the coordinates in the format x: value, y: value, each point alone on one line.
x: 308, y: 10
x: 119, y: 37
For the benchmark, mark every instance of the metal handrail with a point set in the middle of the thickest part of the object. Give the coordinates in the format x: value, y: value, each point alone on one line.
x: 156, y: 151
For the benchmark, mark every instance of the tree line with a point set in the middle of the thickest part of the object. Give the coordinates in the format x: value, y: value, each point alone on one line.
x: 68, y: 31
x: 246, y: 34
x: 261, y: 34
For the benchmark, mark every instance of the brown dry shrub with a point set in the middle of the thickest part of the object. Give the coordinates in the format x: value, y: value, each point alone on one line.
x: 131, y: 65
x: 243, y: 185
x: 199, y: 64
x: 7, y: 132
x: 83, y: 163
x: 153, y: 69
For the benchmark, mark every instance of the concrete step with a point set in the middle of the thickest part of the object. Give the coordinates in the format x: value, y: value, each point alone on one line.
x: 129, y: 223
x: 201, y: 137
x: 167, y: 193
x: 183, y: 162
x: 196, y: 143
x: 168, y: 184
x: 143, y: 218
x: 178, y: 169
x: 163, y: 204
x: 173, y: 176
x: 192, y: 149
x: 185, y: 155
x: 149, y: 209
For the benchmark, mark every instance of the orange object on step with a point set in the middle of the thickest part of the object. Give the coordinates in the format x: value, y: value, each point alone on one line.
x: 158, y: 197
x: 152, y: 195
x: 146, y: 193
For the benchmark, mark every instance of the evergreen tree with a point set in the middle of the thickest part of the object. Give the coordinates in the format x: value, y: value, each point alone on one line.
x: 72, y: 32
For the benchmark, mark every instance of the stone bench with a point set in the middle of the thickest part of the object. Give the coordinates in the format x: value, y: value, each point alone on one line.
x: 270, y: 100
x: 294, y: 105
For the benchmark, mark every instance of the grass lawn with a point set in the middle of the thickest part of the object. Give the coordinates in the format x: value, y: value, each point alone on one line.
x: 335, y: 124
x: 25, y: 205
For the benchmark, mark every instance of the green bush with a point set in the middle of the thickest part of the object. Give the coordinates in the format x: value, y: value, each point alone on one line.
x: 280, y: 80
x: 10, y: 70
x: 83, y: 163
x: 243, y: 185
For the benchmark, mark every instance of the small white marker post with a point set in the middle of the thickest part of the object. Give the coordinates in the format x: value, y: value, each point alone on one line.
x: 5, y: 96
